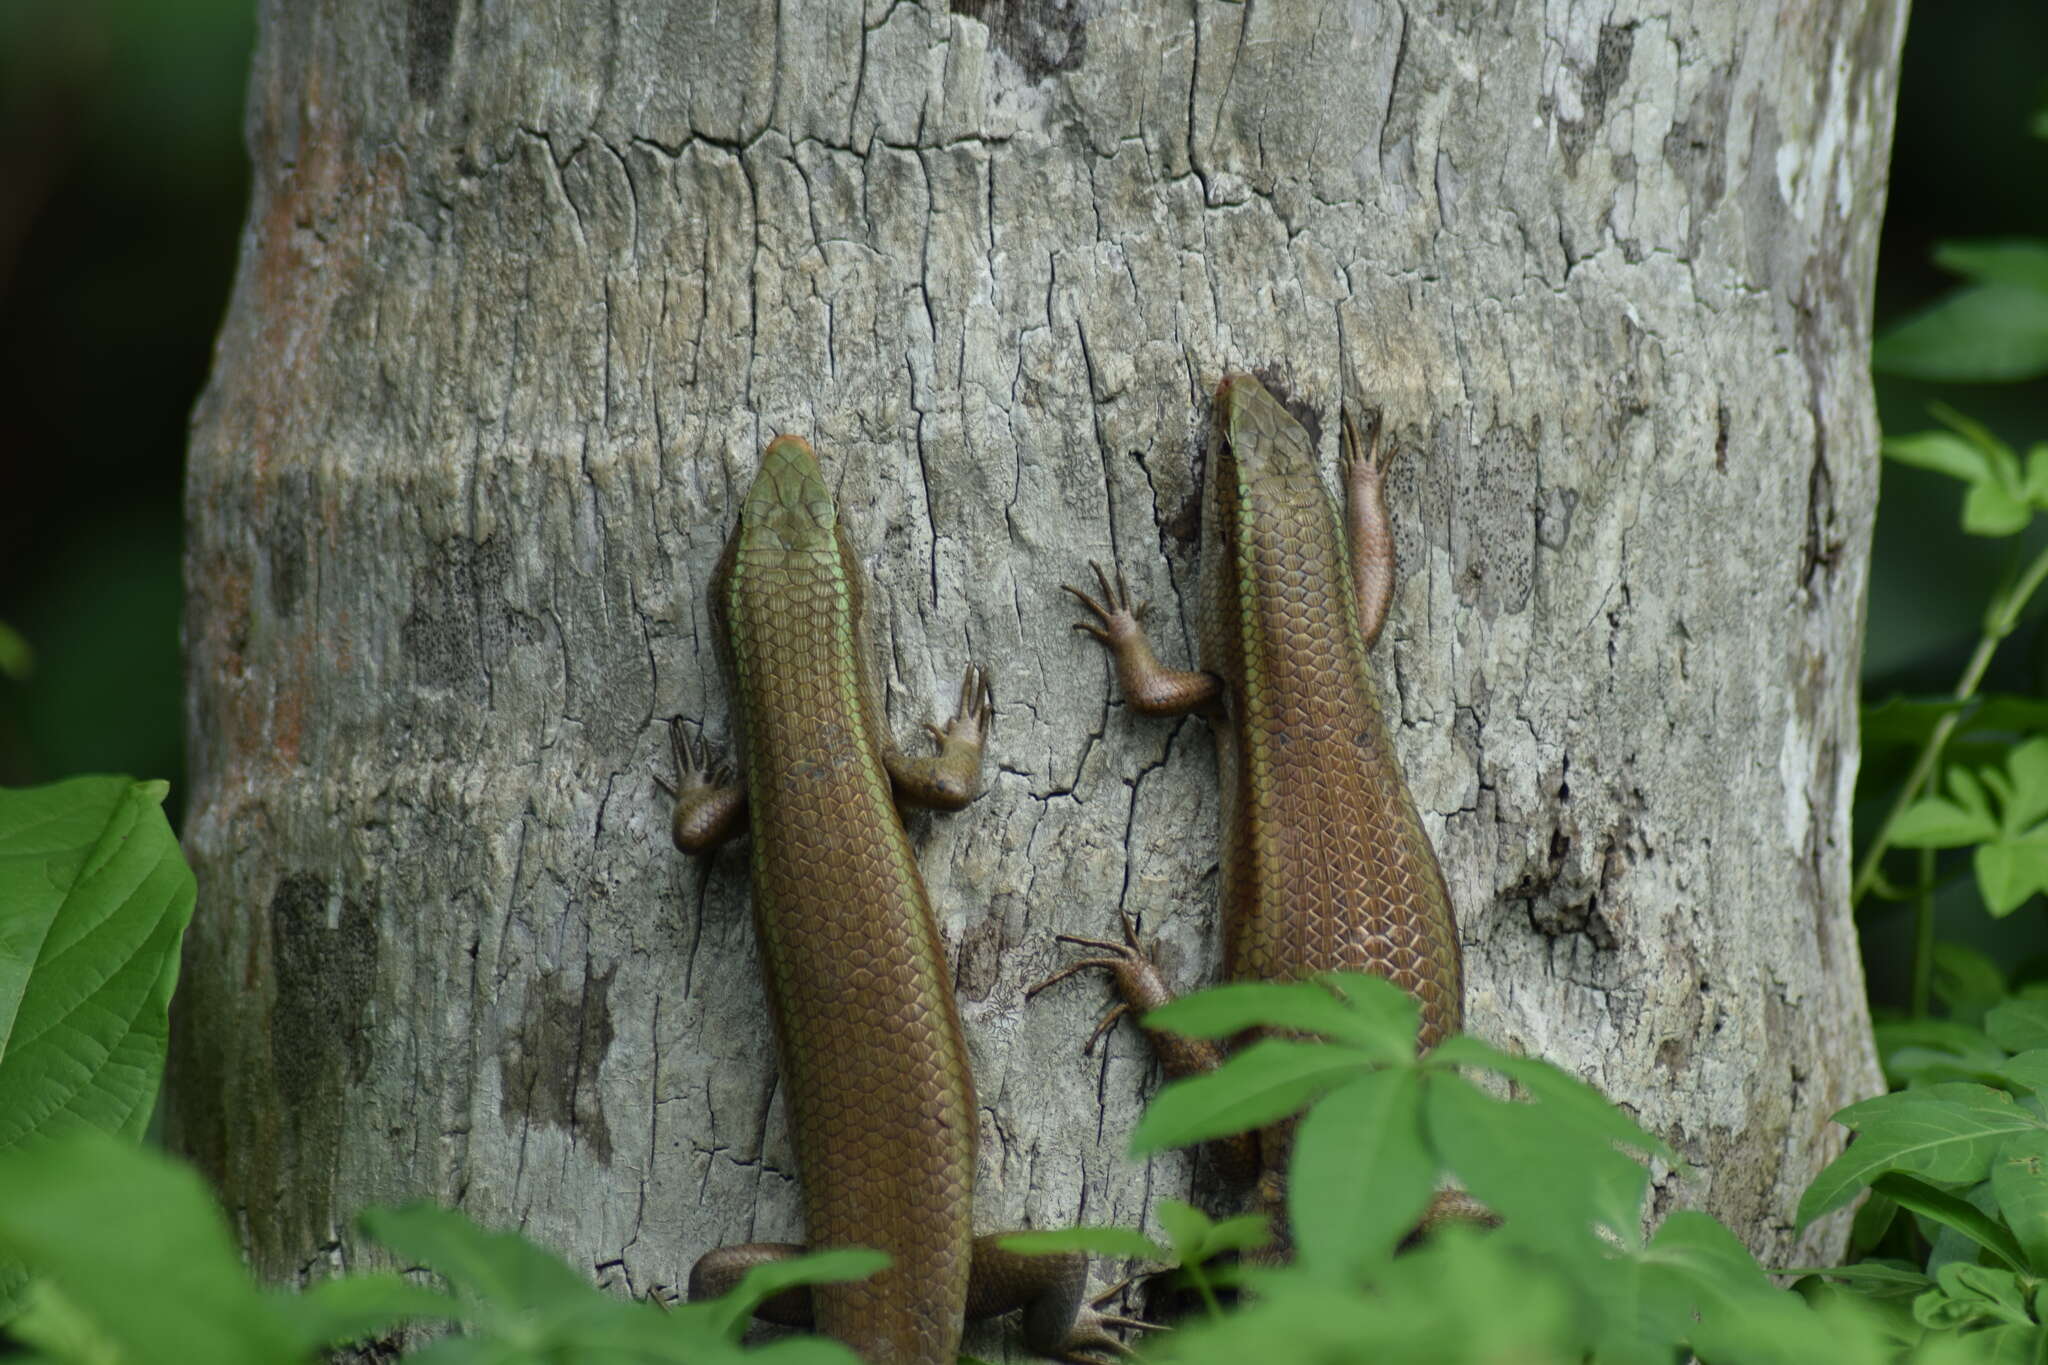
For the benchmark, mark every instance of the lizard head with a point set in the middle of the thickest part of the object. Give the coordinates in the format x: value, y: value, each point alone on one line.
x: 1259, y: 455
x: 789, y: 507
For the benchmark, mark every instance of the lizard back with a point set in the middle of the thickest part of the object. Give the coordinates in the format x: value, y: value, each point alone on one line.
x: 1325, y: 864
x: 873, y: 1064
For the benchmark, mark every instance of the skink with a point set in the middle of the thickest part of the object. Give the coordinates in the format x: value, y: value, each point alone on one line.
x: 874, y: 1068
x: 1324, y: 863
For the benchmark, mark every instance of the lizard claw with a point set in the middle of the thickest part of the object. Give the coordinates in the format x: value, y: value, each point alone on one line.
x: 1118, y: 958
x: 974, y: 711
x: 1115, y: 617
x: 1364, y: 461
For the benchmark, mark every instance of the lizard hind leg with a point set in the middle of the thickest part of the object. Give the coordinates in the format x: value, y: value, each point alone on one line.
x: 721, y: 1269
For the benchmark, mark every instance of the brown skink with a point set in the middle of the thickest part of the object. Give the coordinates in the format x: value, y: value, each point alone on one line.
x: 874, y: 1068
x: 1324, y: 862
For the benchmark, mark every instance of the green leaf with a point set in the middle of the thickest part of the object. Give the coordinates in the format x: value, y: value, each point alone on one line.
x: 499, y: 1275
x: 2009, y: 872
x: 58, y: 1328
x: 2019, y: 1181
x: 1361, y: 1175
x: 2027, y: 765
x: 1116, y: 1243
x: 2019, y: 1024
x: 1968, y: 1045
x: 2028, y: 1071
x: 1567, y: 1100
x: 1906, y: 722
x: 1194, y: 1237
x: 1941, y: 451
x: 1879, y: 1277
x: 94, y: 900
x: 728, y: 1313
x: 2036, y: 488
x: 1269, y: 1080
x: 2018, y: 261
x: 1938, y: 822
x: 1943, y: 1133
x: 1989, y: 510
x: 1952, y: 1212
x: 1966, y: 980
x: 1494, y: 1146
x: 351, y: 1307
x: 1379, y: 1018
x: 134, y: 1243
x: 1975, y: 1293
x: 1985, y: 332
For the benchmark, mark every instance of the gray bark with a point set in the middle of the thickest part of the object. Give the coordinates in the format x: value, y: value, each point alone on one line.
x: 525, y: 289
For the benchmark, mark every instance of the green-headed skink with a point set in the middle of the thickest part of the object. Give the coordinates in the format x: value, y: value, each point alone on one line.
x: 1325, y: 865
x: 874, y: 1069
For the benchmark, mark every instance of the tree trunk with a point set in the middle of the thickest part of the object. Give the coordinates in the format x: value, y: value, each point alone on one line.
x: 525, y: 290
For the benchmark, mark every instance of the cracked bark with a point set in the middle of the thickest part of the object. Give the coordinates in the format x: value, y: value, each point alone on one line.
x: 522, y: 297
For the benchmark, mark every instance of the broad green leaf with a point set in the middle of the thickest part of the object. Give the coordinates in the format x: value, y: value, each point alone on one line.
x: 2019, y: 1024
x: 1495, y: 1147
x: 499, y: 1275
x: 1269, y: 1080
x: 350, y: 1307
x: 1906, y: 722
x: 1380, y: 1020
x: 1943, y: 1133
x: 2028, y: 1071
x: 2019, y: 1181
x: 1954, y: 1212
x: 1119, y: 1243
x: 94, y: 900
x: 1566, y: 1099
x: 1989, y: 510
x: 2037, y: 474
x: 1995, y: 1292
x: 2018, y: 261
x: 2009, y: 872
x: 1965, y: 980
x: 1968, y: 1045
x: 2028, y: 766
x: 1195, y: 1237
x: 1938, y: 822
x: 50, y: 1323
x: 134, y: 1243
x: 1944, y: 452
x: 1361, y: 1175
x: 2009, y: 713
x: 1985, y: 332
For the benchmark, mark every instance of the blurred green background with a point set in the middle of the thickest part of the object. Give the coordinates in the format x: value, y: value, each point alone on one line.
x: 122, y: 189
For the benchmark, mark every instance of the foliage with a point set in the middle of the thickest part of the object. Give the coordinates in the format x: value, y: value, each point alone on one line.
x: 1993, y: 328
x: 1989, y: 795
x: 94, y: 899
x: 134, y: 1264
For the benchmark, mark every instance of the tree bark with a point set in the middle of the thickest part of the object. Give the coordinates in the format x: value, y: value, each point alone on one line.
x: 523, y: 292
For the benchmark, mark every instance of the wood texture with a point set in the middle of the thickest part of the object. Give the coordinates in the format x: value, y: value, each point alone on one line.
x: 524, y: 291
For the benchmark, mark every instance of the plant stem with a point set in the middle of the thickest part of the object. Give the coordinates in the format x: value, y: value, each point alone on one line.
x: 1998, y: 624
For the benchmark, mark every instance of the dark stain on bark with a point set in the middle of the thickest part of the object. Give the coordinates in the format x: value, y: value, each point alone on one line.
x: 459, y: 626
x: 324, y: 980
x: 553, y: 1061
x: 1608, y: 74
x: 284, y: 538
x: 430, y: 42
x: 1044, y: 37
